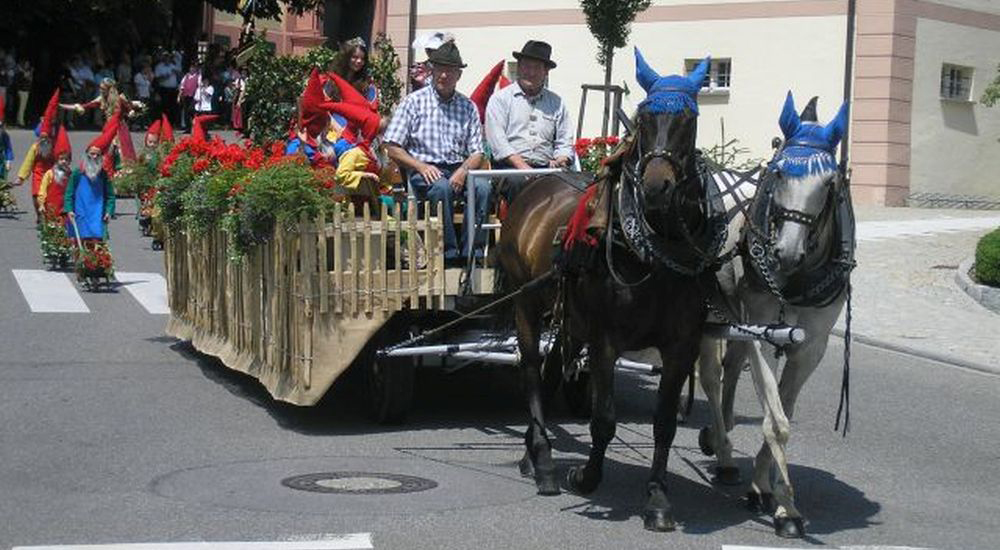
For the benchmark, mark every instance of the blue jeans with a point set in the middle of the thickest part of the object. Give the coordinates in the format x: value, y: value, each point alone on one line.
x: 441, y: 192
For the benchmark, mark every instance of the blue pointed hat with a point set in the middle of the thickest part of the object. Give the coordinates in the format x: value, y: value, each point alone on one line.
x: 669, y: 94
x: 809, y: 146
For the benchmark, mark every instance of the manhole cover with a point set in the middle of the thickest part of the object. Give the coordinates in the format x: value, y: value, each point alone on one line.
x: 358, y: 483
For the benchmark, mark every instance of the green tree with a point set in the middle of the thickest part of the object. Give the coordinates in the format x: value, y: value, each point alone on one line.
x: 991, y: 95
x: 610, y: 22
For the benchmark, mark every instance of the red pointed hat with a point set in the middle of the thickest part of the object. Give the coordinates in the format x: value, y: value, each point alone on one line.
x: 154, y: 128
x: 362, y: 118
x: 481, y: 95
x: 166, y: 130
x: 348, y: 93
x: 62, y: 145
x: 48, y: 119
x: 313, y: 116
x: 108, y: 133
x: 3, y: 107
x: 504, y: 82
x: 198, y: 126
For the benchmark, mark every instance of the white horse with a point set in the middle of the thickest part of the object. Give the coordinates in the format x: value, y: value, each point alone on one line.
x: 796, y: 253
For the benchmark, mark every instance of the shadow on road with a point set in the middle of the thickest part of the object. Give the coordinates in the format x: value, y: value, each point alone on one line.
x: 829, y: 505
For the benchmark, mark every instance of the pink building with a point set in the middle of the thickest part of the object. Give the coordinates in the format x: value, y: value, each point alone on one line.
x: 293, y: 35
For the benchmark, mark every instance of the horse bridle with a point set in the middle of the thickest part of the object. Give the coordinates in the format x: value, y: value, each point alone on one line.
x: 760, y: 242
x: 636, y: 230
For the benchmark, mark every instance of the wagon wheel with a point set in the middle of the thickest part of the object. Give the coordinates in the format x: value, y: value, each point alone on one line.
x: 390, y: 388
x: 389, y: 381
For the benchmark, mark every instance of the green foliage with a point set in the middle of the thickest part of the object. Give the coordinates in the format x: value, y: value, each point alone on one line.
x: 730, y: 155
x: 610, y: 22
x: 280, y: 192
x: 988, y: 259
x: 56, y: 246
x: 274, y: 85
x: 384, y: 65
x: 207, y: 198
x: 269, y: 9
x: 137, y: 177
x: 170, y: 197
x: 991, y: 95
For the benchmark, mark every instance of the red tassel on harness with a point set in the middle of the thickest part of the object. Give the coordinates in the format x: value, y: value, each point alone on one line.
x: 576, y: 229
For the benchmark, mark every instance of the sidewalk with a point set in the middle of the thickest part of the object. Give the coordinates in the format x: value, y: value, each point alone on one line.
x: 905, y: 295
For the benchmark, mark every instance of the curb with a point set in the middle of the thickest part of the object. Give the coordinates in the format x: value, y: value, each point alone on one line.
x: 986, y: 296
x: 922, y: 354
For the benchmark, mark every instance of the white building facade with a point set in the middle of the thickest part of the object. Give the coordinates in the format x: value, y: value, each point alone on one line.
x: 918, y: 69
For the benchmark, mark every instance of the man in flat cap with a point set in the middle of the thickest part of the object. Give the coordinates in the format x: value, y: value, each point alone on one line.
x: 527, y: 125
x: 436, y: 138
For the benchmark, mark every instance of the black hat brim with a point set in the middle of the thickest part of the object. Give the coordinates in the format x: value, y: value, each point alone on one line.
x: 548, y: 62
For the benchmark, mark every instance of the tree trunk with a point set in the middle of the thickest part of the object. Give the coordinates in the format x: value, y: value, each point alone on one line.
x: 609, y: 53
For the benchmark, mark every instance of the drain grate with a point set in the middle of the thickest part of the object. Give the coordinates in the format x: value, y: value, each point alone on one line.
x: 358, y: 483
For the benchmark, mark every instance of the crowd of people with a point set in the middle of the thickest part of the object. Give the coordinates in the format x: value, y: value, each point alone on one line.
x: 162, y: 79
x: 16, y: 78
x: 437, y: 134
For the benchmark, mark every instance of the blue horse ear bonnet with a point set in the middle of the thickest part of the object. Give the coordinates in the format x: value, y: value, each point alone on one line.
x: 669, y: 94
x: 809, y: 146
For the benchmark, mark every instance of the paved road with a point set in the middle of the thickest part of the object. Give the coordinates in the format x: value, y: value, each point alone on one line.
x: 113, y: 433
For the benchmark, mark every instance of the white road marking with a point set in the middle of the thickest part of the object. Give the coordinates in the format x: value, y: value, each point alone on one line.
x: 876, y: 230
x: 355, y: 541
x: 49, y: 292
x: 853, y: 547
x: 149, y: 289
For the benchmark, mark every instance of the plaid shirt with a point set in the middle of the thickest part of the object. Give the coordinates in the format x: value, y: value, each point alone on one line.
x: 436, y: 131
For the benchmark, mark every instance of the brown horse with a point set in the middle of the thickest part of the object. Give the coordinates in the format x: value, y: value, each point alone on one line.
x: 640, y: 290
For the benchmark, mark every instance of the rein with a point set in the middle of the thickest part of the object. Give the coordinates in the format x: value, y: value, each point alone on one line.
x: 816, y: 286
x: 697, y: 251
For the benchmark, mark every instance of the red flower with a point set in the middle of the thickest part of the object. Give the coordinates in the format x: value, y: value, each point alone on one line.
x: 200, y: 165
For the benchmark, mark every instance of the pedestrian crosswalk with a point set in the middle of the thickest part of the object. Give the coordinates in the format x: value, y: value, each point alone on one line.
x: 49, y: 292
x: 149, y: 289
x: 54, y: 292
x: 354, y: 541
x: 852, y: 547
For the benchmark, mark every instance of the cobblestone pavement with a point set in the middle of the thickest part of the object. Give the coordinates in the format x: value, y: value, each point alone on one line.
x: 905, y: 295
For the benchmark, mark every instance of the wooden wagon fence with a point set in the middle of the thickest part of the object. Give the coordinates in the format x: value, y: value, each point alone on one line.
x: 296, y: 311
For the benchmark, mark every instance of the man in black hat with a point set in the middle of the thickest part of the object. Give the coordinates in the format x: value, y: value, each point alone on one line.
x: 527, y: 125
x: 436, y: 138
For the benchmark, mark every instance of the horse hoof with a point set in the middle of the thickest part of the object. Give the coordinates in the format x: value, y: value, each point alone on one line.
x: 547, y: 485
x: 727, y: 475
x: 705, y: 441
x: 762, y: 503
x: 658, y: 520
x: 576, y: 481
x: 526, y: 467
x: 789, y: 528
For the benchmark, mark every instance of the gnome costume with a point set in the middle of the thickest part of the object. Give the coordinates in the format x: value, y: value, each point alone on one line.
x: 90, y: 197
x: 52, y: 191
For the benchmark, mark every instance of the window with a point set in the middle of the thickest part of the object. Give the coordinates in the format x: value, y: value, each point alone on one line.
x: 719, y: 75
x: 956, y: 82
x: 222, y: 40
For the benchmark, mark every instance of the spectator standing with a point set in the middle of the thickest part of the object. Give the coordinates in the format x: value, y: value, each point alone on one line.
x: 22, y: 81
x: 123, y: 74
x: 143, y: 81
x: 166, y: 75
x: 203, y: 95
x: 189, y: 85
